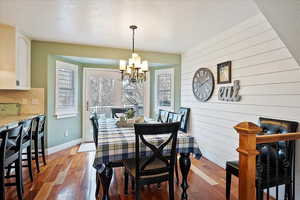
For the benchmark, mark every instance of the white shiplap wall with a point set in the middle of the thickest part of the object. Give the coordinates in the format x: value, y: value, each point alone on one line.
x: 269, y: 78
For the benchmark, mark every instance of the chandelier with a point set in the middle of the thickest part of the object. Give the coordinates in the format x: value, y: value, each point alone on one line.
x: 134, y: 69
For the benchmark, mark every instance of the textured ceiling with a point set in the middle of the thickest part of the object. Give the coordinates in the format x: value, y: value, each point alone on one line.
x: 164, y: 25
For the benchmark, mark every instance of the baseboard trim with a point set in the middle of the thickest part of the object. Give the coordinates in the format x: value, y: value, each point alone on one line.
x: 61, y: 147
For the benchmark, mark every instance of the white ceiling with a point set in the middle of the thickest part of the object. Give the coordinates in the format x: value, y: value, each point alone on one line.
x: 164, y: 25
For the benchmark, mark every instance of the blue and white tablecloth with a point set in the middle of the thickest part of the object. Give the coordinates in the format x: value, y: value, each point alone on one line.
x: 116, y: 144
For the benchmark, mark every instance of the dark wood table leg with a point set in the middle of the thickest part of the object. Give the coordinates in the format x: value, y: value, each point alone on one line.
x: 105, y: 177
x: 185, y: 164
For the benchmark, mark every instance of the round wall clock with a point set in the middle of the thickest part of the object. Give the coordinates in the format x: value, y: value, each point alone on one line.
x: 203, y: 84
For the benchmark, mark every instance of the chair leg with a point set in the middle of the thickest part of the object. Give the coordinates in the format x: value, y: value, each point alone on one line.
x: 132, y: 184
x: 288, y: 192
x: 2, y: 186
x: 36, y: 154
x: 8, y: 170
x: 228, y: 184
x: 259, y: 194
x: 137, y: 190
x: 171, y: 188
x: 43, y: 149
x: 29, y: 162
x: 97, y: 185
x: 125, y: 182
x: 19, y: 179
x: 176, y: 171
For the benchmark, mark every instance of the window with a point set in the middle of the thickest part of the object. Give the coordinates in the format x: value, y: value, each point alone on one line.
x: 164, y: 89
x: 66, y: 90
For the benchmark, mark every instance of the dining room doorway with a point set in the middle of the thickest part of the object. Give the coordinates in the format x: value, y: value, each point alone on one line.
x: 103, y: 89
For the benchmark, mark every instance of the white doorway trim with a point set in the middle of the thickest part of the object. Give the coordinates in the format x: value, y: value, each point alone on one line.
x: 84, y: 103
x: 163, y: 71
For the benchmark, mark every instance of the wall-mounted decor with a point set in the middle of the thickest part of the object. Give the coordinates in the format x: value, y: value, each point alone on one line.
x: 224, y: 72
x: 203, y: 84
x: 230, y: 93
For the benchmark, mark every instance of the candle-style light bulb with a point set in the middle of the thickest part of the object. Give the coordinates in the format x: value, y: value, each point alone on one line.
x: 145, y: 66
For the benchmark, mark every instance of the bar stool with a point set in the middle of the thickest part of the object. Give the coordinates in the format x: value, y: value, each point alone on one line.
x: 38, y: 135
x: 11, y: 153
x: 26, y: 144
x: 27, y: 141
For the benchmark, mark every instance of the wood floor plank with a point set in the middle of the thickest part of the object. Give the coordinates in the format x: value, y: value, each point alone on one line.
x: 69, y: 175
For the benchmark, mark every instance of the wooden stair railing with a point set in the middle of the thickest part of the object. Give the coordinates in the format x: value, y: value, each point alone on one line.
x: 248, y: 138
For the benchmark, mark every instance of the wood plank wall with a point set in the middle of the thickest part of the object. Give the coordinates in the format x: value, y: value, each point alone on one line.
x: 269, y: 78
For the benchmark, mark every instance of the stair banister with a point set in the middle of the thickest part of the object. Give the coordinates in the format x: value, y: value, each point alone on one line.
x: 249, y: 137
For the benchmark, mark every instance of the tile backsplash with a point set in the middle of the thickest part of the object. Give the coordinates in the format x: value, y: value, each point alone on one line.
x: 9, y: 109
x: 30, y: 101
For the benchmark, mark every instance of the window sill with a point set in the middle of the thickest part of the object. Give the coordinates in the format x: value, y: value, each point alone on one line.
x: 65, y: 115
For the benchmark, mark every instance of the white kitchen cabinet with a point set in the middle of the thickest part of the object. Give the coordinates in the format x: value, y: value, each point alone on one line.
x: 23, y: 62
x: 15, y: 59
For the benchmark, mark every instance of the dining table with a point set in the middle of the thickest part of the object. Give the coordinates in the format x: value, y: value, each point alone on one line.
x: 116, y: 144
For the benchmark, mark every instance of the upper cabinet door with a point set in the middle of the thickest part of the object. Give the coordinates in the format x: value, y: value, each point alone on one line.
x: 7, y: 57
x: 15, y: 59
x: 23, y: 62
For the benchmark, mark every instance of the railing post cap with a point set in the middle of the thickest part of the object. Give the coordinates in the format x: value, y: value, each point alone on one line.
x: 248, y: 128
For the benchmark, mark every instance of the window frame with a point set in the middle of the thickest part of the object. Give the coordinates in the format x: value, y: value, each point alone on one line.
x: 68, y: 112
x: 157, y: 73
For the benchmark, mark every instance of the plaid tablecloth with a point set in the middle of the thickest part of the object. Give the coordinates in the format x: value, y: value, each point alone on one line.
x: 116, y: 144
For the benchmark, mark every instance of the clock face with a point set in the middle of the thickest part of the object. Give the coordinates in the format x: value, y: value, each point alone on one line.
x: 203, y: 84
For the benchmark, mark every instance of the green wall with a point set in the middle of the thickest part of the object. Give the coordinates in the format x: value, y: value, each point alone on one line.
x: 43, y: 57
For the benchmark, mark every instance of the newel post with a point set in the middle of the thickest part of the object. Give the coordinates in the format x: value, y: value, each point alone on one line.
x: 247, y: 159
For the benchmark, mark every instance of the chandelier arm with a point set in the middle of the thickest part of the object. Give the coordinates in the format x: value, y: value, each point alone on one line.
x: 133, y: 31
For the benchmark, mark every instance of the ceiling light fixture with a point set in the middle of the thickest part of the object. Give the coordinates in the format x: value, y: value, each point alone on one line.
x: 134, y: 69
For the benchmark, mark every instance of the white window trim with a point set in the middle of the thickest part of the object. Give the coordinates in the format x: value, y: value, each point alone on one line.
x: 60, y: 114
x: 158, y: 72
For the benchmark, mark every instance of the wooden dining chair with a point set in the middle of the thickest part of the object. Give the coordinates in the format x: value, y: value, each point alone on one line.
x: 158, y: 167
x: 27, y: 143
x: 38, y: 136
x: 115, y: 111
x: 11, y: 155
x: 95, y: 125
x: 162, y: 116
x: 185, y: 118
x: 175, y: 117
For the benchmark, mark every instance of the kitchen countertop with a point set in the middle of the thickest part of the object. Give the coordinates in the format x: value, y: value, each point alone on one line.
x: 8, y: 121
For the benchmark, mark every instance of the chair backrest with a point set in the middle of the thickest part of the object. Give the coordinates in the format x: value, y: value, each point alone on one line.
x: 144, y: 133
x: 276, y: 157
x: 11, y: 139
x: 115, y: 111
x: 174, y: 117
x: 162, y: 116
x: 41, y: 121
x: 95, y: 125
x: 185, y: 118
x: 28, y: 127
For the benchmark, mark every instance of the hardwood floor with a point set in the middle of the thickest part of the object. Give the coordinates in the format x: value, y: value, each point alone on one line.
x: 70, y: 176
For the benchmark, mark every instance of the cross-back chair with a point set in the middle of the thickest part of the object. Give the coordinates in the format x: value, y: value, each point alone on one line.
x: 157, y: 167
x: 11, y: 155
x: 38, y: 136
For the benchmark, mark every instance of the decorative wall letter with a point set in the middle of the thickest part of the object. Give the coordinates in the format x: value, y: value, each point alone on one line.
x: 230, y: 93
